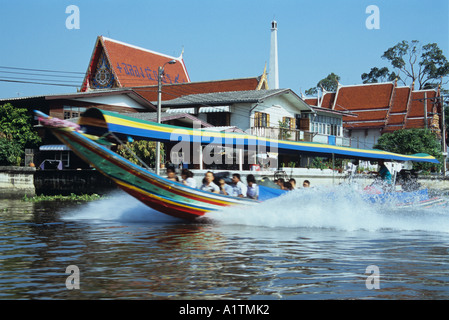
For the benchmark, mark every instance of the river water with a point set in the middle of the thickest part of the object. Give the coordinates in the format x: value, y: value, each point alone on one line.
x: 301, y: 246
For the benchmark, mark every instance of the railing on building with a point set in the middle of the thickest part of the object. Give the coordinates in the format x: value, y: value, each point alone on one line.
x: 298, y: 135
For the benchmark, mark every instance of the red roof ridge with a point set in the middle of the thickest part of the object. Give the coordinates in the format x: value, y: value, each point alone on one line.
x: 198, y: 82
x: 140, y: 48
x: 365, y: 84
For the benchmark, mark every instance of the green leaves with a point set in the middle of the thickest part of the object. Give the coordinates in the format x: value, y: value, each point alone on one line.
x: 330, y: 83
x: 412, y: 141
x: 425, y: 65
x: 378, y: 75
x: 16, y: 133
x: 145, y: 150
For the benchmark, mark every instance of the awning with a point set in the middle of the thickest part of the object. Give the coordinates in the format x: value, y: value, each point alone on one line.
x: 54, y: 147
x: 181, y: 110
x: 214, y: 109
x: 98, y: 122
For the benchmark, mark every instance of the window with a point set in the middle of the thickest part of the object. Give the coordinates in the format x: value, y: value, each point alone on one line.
x: 261, y: 119
x: 289, y: 122
x: 219, y: 119
x: 326, y: 125
x: 72, y: 112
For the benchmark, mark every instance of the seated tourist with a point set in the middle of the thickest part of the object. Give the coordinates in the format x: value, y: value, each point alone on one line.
x: 238, y: 186
x: 253, y: 189
x: 171, y: 174
x: 288, y: 186
x: 280, y: 183
x: 208, y: 183
x: 187, y: 178
x: 293, y: 183
x: 225, y: 188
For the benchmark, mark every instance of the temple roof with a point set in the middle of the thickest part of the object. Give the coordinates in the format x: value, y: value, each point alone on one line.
x: 383, y: 106
x: 118, y: 64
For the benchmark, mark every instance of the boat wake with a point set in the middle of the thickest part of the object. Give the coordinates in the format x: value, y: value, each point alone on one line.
x: 117, y: 206
x: 341, y: 208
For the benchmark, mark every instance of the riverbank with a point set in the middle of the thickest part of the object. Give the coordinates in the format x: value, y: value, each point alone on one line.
x: 15, y: 182
x: 19, y: 182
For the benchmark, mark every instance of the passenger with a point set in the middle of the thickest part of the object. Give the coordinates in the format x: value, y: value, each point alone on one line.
x: 306, y: 184
x: 225, y: 188
x: 208, y: 184
x: 288, y: 186
x: 383, y: 172
x: 187, y: 178
x: 293, y: 183
x: 281, y: 183
x: 239, y: 187
x: 171, y: 175
x: 253, y: 189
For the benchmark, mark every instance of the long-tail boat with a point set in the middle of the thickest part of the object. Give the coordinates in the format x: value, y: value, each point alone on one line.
x: 89, y: 139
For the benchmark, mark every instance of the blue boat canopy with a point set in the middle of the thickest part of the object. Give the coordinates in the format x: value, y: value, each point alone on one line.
x: 99, y: 122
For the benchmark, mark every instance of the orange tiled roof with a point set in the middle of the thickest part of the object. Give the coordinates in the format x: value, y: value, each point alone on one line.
x: 400, y: 100
x: 173, y: 91
x: 326, y: 101
x: 362, y: 97
x: 130, y: 66
x: 381, y: 106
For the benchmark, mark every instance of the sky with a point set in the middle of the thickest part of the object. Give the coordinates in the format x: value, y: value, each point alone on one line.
x: 224, y: 39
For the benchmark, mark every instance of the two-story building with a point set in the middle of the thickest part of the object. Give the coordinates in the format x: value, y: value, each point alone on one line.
x: 275, y: 114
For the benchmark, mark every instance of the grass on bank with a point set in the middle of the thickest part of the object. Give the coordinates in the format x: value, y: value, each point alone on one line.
x: 71, y: 197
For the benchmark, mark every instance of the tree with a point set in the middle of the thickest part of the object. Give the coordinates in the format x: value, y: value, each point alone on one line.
x: 284, y: 130
x: 412, y: 141
x: 330, y: 83
x: 16, y: 134
x: 145, y: 150
x: 378, y: 75
x: 426, y: 65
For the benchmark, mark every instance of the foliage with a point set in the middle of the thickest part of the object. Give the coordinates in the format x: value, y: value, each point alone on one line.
x: 10, y: 152
x: 319, y: 163
x: 424, y: 65
x: 412, y: 141
x: 16, y: 134
x: 71, y: 197
x: 145, y: 150
x: 378, y: 75
x: 330, y: 83
x: 284, y: 130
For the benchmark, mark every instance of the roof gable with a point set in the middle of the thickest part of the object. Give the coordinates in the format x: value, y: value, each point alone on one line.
x: 118, y: 64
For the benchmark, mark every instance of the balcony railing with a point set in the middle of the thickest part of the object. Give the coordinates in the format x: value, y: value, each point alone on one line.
x: 298, y: 135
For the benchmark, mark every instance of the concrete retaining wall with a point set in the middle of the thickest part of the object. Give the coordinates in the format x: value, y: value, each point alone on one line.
x: 15, y: 182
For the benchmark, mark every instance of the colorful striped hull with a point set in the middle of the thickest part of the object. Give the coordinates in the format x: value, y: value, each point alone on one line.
x: 161, y: 194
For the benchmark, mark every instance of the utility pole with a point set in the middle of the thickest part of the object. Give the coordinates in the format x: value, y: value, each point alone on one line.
x: 160, y: 73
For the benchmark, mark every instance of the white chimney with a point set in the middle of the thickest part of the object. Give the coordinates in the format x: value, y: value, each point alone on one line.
x: 273, y: 71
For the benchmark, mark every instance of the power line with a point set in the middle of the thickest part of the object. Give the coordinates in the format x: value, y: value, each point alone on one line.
x: 41, y: 83
x: 42, y: 75
x: 39, y: 79
x: 41, y: 70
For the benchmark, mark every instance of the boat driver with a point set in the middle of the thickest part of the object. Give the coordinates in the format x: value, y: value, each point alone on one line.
x: 383, y: 172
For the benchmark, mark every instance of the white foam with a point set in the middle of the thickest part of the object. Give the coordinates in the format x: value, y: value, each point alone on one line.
x: 341, y: 208
x: 117, y: 206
